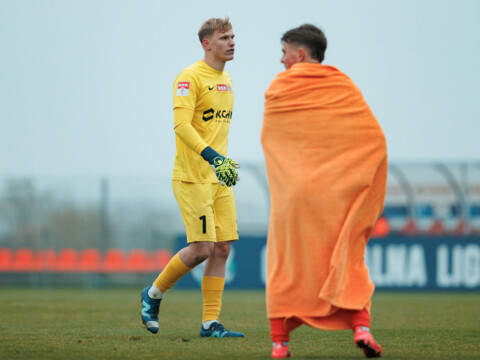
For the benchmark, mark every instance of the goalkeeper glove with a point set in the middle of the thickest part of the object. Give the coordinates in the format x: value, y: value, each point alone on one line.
x: 224, y: 168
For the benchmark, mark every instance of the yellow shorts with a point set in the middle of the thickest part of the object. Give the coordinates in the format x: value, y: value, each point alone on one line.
x: 208, y: 211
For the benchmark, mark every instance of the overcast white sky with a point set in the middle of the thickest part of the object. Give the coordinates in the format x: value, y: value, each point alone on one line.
x: 86, y: 86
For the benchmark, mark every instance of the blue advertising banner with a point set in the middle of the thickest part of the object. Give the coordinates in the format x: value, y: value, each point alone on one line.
x: 424, y: 263
x: 394, y: 262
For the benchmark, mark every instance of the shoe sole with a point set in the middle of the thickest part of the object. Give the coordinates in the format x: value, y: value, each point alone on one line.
x: 222, y: 337
x: 368, y: 350
x: 289, y: 355
x: 150, y: 329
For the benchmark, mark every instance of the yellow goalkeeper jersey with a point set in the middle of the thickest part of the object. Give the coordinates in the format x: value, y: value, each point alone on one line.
x: 209, y: 93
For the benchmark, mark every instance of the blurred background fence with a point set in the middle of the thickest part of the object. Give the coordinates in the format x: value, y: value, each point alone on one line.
x: 122, y: 230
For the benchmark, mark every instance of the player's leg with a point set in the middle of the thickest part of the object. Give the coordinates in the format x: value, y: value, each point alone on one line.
x: 213, y: 281
x: 280, y: 338
x: 363, y: 338
x: 197, y: 212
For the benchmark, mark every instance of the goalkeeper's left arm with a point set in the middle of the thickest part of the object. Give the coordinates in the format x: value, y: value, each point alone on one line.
x: 224, y: 168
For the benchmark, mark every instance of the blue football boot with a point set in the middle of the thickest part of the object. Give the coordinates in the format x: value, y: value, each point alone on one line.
x: 150, y: 309
x: 217, y: 330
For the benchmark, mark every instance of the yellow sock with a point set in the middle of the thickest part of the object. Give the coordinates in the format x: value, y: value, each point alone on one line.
x: 212, y: 290
x: 174, y: 270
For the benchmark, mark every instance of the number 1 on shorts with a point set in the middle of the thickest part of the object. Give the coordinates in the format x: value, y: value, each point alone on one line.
x: 204, y: 223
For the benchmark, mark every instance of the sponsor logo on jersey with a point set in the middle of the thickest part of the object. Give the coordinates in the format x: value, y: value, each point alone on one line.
x: 208, y: 115
x: 222, y: 87
x: 210, y: 88
x: 219, y: 115
x: 183, y: 88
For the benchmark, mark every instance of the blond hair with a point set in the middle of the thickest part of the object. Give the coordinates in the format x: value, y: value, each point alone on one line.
x: 212, y: 25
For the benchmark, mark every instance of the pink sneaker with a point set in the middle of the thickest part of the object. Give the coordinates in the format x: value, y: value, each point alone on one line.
x: 280, y: 350
x: 363, y: 338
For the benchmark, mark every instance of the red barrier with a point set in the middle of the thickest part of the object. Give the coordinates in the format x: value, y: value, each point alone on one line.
x: 45, y: 260
x: 139, y: 261
x: 436, y: 229
x: 160, y: 259
x: 5, y: 259
x: 68, y: 261
x: 86, y: 261
x: 113, y: 261
x: 23, y: 260
x: 410, y: 228
x: 382, y: 228
x: 90, y: 260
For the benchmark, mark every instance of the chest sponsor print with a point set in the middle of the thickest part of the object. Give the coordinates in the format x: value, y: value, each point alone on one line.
x: 221, y: 88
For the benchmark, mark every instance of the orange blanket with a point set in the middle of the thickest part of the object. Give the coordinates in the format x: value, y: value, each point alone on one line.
x: 326, y: 162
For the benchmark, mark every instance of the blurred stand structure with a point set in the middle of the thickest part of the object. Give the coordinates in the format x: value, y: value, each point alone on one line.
x: 433, y: 199
x: 120, y: 230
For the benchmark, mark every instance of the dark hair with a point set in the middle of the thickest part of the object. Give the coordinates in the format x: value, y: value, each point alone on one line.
x: 212, y: 25
x: 310, y: 36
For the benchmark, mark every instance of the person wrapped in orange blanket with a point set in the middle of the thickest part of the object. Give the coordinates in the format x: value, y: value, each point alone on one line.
x: 326, y: 162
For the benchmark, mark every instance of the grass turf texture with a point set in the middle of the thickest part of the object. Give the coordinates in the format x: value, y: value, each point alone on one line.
x: 105, y: 324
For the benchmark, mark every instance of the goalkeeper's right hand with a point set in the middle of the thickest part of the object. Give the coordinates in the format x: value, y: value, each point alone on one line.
x: 224, y: 168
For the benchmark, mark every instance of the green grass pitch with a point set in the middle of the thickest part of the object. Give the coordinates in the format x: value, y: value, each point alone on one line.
x: 105, y: 324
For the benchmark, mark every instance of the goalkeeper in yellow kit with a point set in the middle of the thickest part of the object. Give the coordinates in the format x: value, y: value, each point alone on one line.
x: 202, y: 108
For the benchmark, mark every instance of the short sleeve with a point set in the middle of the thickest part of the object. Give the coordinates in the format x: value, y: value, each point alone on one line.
x: 185, y: 91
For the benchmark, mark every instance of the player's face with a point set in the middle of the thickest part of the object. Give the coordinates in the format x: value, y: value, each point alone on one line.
x: 223, y: 45
x: 290, y: 55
